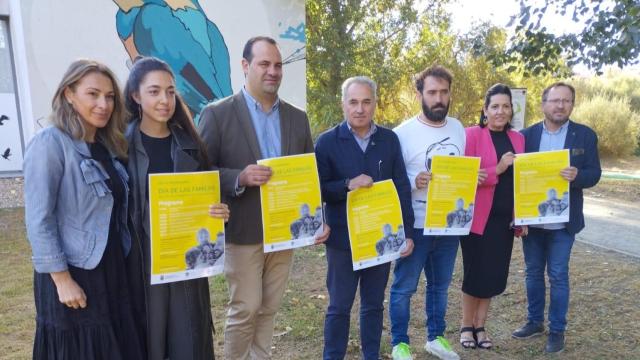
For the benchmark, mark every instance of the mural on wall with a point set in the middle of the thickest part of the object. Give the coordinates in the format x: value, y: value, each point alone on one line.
x: 295, y: 34
x: 201, y: 40
x: 178, y: 32
x: 286, y: 19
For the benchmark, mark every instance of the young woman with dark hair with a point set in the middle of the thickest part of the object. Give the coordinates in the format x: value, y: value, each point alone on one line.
x: 163, y: 139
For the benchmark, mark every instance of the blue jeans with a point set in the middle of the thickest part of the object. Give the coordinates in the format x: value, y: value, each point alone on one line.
x: 550, y: 248
x: 342, y: 283
x: 436, y: 255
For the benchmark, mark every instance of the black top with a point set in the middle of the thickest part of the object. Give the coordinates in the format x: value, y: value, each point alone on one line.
x: 159, y: 152
x: 100, y: 153
x: 503, y: 194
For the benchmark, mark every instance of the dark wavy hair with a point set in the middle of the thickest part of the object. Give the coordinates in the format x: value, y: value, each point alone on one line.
x: 496, y: 89
x: 181, y: 118
x: 437, y: 71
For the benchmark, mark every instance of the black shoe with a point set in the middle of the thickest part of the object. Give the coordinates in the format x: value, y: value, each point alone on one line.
x: 482, y: 344
x: 528, y: 330
x: 555, y: 343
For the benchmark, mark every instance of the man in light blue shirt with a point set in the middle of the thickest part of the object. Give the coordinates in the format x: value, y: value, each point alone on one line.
x: 549, y: 246
x: 363, y: 142
x: 238, y: 131
x: 266, y: 124
x: 549, y: 141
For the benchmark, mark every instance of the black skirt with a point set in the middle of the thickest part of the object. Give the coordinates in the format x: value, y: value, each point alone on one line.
x: 105, y: 329
x: 486, y: 258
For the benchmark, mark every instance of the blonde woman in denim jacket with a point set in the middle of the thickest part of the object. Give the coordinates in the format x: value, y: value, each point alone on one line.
x: 76, y: 197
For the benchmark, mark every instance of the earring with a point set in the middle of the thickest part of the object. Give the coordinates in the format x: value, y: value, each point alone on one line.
x: 140, y: 111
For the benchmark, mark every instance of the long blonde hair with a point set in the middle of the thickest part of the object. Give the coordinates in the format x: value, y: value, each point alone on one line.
x: 65, y: 118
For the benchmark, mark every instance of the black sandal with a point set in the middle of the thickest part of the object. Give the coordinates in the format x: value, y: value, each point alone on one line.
x: 465, y: 342
x: 484, y: 344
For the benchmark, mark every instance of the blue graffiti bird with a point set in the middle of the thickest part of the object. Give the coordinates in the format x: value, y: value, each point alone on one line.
x: 178, y: 32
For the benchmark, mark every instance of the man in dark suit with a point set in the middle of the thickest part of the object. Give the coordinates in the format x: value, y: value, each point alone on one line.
x: 550, y: 245
x: 354, y: 154
x: 239, y: 130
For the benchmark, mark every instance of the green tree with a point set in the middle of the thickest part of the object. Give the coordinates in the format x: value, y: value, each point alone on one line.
x: 611, y: 35
x: 390, y: 42
x: 614, y: 122
x: 612, y: 85
x: 352, y: 37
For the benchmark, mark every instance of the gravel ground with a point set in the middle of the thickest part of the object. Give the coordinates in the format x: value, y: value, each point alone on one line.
x: 11, y: 192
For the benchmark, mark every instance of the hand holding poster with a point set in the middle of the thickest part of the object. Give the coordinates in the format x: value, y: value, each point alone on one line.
x: 182, y: 247
x: 451, y: 193
x: 372, y: 216
x: 541, y: 195
x: 291, y: 202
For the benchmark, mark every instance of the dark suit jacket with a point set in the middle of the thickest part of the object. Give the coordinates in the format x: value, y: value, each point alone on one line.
x: 227, y: 131
x: 582, y: 143
x: 340, y: 158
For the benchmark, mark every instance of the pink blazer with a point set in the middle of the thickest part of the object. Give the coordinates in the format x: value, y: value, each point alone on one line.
x: 479, y: 144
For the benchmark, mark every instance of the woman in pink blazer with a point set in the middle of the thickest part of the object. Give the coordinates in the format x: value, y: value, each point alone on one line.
x: 486, y: 251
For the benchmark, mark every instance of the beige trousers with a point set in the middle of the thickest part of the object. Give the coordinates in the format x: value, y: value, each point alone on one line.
x: 256, y: 285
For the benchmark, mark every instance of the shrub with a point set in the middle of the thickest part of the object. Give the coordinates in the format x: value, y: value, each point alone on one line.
x: 613, y: 120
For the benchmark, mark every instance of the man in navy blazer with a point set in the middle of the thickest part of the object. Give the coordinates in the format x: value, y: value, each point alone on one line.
x: 550, y: 245
x: 356, y: 153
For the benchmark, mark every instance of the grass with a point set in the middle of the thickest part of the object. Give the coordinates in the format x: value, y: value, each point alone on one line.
x: 603, y: 314
x: 614, y: 189
x: 17, y: 310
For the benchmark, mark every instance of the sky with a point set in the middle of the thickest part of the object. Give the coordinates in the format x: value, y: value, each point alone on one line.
x: 467, y: 12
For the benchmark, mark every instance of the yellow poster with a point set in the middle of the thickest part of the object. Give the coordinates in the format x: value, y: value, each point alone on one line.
x: 541, y: 195
x: 376, y: 231
x: 291, y: 202
x: 186, y: 243
x: 451, y: 193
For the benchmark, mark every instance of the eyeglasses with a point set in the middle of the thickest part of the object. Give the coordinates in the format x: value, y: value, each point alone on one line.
x: 560, y: 101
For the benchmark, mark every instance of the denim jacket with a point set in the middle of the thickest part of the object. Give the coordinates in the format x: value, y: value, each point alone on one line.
x: 68, y: 204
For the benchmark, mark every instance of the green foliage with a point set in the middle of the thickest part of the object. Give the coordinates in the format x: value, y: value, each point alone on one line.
x: 614, y: 83
x: 613, y: 120
x: 351, y: 37
x: 611, y: 35
x: 391, y: 41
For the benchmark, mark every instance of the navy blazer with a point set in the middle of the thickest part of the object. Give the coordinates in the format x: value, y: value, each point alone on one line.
x: 582, y: 143
x: 340, y: 158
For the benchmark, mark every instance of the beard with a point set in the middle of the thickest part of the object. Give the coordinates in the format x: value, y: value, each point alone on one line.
x: 437, y: 113
x: 560, y: 120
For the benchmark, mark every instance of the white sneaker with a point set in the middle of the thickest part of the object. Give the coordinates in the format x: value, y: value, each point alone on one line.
x: 402, y: 351
x: 441, y: 349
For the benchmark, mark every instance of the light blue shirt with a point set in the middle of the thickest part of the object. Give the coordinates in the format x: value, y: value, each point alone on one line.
x: 266, y: 125
x: 363, y: 142
x: 549, y: 141
x: 553, y: 140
